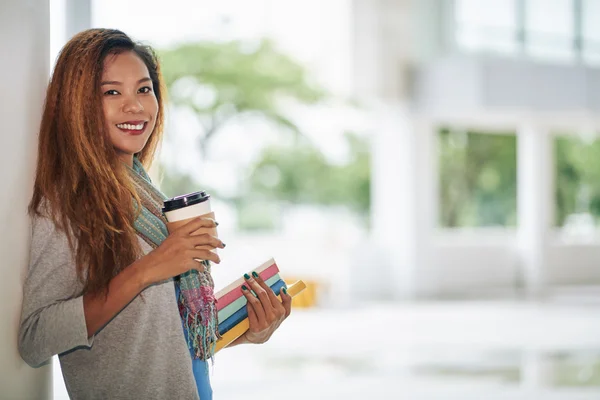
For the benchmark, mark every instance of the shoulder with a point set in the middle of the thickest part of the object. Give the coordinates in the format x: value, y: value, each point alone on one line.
x: 45, y: 229
x: 42, y: 219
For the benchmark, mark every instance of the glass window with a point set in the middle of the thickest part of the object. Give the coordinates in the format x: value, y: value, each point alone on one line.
x: 549, y: 26
x: 577, y: 183
x: 484, y: 26
x: 590, y: 20
x: 478, y: 179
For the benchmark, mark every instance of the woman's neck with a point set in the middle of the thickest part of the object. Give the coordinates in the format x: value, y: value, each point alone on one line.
x: 127, y: 159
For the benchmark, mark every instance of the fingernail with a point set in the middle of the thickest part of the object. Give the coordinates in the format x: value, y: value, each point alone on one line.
x: 284, y: 290
x: 244, y: 288
x: 246, y: 276
x: 223, y: 244
x: 254, y: 274
x: 216, y: 223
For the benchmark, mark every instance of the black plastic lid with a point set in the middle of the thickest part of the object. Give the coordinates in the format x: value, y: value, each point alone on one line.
x: 185, y: 200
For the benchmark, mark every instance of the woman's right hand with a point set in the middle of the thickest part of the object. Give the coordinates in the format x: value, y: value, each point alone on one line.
x: 178, y: 253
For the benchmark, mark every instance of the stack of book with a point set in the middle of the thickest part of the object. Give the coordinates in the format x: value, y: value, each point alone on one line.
x: 231, y: 302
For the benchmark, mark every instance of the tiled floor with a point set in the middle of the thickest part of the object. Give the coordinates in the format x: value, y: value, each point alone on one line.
x: 435, y: 350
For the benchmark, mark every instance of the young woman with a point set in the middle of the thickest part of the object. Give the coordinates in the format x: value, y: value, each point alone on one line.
x: 128, y: 308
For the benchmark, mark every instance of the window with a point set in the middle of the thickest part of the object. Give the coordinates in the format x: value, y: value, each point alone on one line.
x: 556, y: 30
x: 549, y: 29
x: 478, y: 179
x: 591, y: 31
x: 577, y: 183
x: 482, y: 26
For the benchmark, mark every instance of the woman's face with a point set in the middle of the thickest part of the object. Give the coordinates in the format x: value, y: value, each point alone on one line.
x: 129, y: 103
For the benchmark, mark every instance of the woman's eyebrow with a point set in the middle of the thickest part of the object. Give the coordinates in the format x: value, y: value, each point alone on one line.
x: 120, y: 83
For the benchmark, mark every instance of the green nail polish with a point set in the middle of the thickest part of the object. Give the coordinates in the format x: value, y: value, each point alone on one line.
x: 246, y: 276
x: 284, y: 290
x: 254, y: 274
x: 244, y: 287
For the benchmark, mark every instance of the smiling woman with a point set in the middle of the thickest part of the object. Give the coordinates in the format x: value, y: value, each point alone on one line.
x: 100, y: 239
x: 130, y: 105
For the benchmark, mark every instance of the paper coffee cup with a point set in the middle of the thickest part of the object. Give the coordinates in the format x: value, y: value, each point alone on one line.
x: 181, y: 209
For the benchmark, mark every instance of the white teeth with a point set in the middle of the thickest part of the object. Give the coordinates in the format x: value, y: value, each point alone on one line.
x: 130, y: 127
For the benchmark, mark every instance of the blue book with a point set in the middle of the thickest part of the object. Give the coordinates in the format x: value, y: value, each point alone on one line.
x: 242, y: 313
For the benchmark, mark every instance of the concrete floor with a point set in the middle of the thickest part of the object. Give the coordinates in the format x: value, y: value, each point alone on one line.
x: 434, y: 350
x: 430, y: 350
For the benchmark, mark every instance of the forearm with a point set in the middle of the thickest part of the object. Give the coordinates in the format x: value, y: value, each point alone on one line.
x: 123, y: 288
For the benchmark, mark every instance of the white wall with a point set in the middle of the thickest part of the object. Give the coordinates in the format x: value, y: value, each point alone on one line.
x: 486, y: 262
x: 483, y: 83
x: 573, y: 264
x: 24, y: 45
x: 471, y: 263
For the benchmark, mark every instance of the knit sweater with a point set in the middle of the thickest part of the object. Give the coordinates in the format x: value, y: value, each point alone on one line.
x: 140, y: 354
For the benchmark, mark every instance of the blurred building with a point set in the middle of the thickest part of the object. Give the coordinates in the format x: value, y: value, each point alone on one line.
x: 518, y: 65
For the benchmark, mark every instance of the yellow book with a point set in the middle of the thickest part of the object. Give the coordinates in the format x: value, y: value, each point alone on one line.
x: 231, y: 335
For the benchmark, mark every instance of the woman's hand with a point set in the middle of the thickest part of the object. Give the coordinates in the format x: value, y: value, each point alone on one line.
x: 265, y: 311
x: 178, y: 253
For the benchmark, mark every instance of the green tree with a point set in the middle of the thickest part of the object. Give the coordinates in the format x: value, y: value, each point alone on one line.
x: 302, y: 175
x: 577, y: 177
x: 478, y: 179
x: 223, y: 81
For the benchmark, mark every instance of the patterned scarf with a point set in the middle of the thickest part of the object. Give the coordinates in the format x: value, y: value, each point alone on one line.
x: 197, y: 303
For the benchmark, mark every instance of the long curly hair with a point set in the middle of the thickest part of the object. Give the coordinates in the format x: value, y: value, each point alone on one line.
x: 80, y: 182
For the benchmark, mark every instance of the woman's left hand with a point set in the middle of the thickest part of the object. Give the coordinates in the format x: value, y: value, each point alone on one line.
x: 265, y: 311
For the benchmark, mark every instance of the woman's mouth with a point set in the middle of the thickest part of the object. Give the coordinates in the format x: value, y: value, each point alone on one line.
x: 133, y: 127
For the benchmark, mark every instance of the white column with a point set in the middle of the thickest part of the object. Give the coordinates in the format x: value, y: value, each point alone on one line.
x: 393, y: 200
x: 535, y: 200
x: 24, y: 40
x: 402, y: 178
x: 404, y: 206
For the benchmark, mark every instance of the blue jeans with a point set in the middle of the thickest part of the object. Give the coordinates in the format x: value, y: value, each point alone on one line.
x: 200, y: 369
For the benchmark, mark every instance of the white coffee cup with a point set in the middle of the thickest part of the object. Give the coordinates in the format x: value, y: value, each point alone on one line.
x: 181, y: 209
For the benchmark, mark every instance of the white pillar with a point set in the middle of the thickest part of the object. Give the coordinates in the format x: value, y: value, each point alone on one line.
x: 402, y: 180
x: 393, y: 200
x: 404, y: 200
x: 535, y: 199
x: 24, y: 40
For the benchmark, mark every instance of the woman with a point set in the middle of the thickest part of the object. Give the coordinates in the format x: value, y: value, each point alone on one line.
x: 103, y: 289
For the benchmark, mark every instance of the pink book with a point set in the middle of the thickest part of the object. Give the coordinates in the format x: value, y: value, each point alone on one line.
x: 233, y: 291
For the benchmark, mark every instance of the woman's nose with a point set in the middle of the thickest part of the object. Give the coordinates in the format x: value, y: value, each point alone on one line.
x: 132, y: 105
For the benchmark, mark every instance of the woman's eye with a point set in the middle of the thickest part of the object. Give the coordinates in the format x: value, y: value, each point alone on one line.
x: 111, y: 92
x: 146, y: 89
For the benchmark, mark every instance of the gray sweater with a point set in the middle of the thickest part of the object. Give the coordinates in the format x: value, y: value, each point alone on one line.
x: 140, y: 354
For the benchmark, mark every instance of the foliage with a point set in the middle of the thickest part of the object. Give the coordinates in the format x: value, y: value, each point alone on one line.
x: 478, y: 179
x: 577, y: 177
x: 302, y: 174
x: 221, y: 81
x: 174, y: 183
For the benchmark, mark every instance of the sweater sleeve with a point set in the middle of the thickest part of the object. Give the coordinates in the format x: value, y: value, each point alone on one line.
x: 52, y: 317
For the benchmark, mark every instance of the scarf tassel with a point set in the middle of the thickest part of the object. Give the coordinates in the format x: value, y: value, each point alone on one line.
x: 202, y: 337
